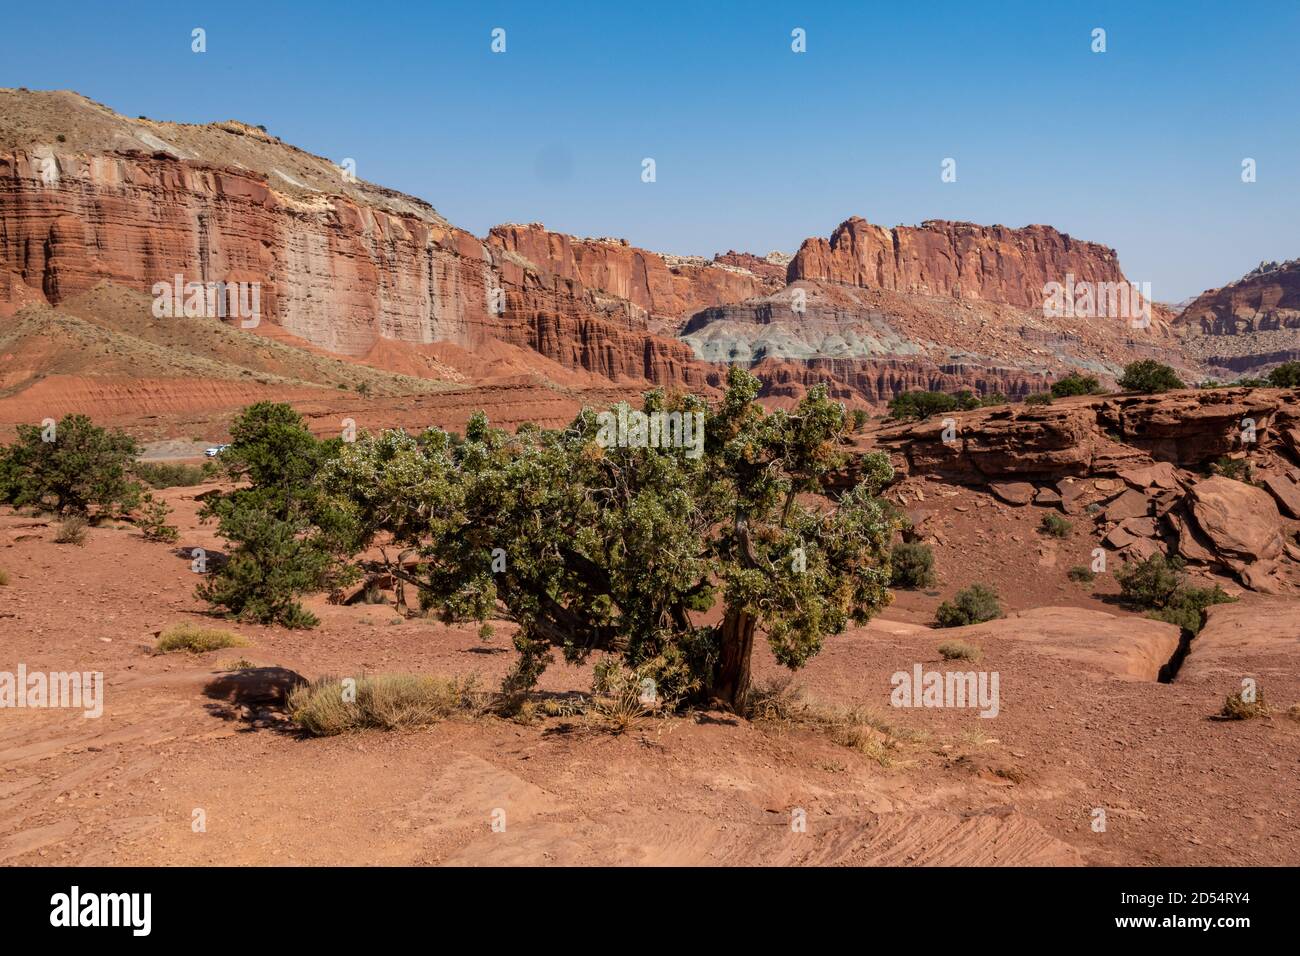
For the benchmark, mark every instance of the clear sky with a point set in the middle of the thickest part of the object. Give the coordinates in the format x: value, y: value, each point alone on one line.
x: 756, y: 147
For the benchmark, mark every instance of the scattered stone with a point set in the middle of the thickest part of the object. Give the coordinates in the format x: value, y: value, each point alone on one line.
x: 1287, y: 493
x: 1013, y: 492
x: 1130, y: 504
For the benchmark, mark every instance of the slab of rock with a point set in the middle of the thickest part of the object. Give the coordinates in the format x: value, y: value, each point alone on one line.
x: 1119, y: 538
x: 1142, y: 527
x: 1141, y: 549
x: 1127, y: 647
x: 1013, y: 492
x: 1159, y: 475
x: 1047, y: 497
x: 1130, y: 504
x: 1192, y: 545
x: 1241, y: 521
x: 1256, y: 637
x: 1286, y: 492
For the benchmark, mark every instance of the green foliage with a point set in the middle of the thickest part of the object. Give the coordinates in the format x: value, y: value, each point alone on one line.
x: 974, y: 605
x: 288, y: 538
x: 1149, y: 377
x: 1158, y: 585
x: 153, y: 521
x: 1286, y: 375
x: 921, y: 405
x: 912, y: 564
x: 992, y: 399
x: 1076, y: 384
x: 1039, y: 398
x: 84, y: 467
x: 589, y: 545
x: 1054, y: 526
x: 860, y: 419
x: 967, y: 400
x: 1238, y: 469
x: 173, y: 474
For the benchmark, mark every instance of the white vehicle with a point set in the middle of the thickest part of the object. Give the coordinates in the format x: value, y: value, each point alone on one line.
x: 215, y: 450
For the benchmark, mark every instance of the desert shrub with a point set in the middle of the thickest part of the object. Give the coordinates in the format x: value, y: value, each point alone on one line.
x: 1076, y: 384
x: 966, y: 399
x: 591, y: 544
x: 1238, y: 469
x: 196, y: 640
x: 173, y: 474
x: 860, y: 419
x: 1081, y: 575
x: 289, y: 538
x: 72, y: 530
x: 993, y: 398
x: 974, y: 605
x: 912, y: 565
x: 1286, y: 375
x: 329, y: 706
x: 1054, y: 526
x: 1039, y: 398
x: 921, y: 405
x: 1158, y: 586
x: 84, y: 467
x: 153, y: 521
x: 1149, y: 377
x: 1235, y: 707
x: 959, y: 651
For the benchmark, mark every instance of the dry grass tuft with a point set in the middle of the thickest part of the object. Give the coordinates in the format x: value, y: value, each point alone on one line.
x: 863, y: 729
x: 1236, y: 708
x: 334, y: 705
x: 196, y: 640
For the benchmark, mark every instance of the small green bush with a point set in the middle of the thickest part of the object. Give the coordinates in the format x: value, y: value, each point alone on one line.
x: 1149, y: 377
x: 1238, y: 469
x: 1039, y: 398
x: 153, y: 521
x: 992, y: 399
x: 1286, y: 375
x: 1158, y: 586
x: 912, y: 565
x: 1076, y: 384
x: 173, y: 474
x: 974, y: 605
x: 1055, y: 526
x: 921, y: 405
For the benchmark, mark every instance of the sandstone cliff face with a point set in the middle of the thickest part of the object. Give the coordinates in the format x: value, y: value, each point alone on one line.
x: 957, y: 259
x: 1249, y: 325
x: 660, y: 286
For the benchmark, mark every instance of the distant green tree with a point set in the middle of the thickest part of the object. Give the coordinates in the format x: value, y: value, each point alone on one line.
x: 921, y: 405
x: 1076, y: 384
x: 1286, y: 375
x: 82, y: 467
x: 1149, y: 377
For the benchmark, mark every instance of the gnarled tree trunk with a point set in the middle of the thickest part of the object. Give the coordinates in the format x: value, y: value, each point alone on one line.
x: 731, y: 674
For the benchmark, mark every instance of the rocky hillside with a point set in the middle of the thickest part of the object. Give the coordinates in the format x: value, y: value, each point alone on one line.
x: 1249, y: 325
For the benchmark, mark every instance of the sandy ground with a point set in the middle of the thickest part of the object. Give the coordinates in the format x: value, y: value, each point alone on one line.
x: 1177, y: 787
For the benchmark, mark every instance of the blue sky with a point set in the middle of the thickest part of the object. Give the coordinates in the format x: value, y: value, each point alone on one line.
x: 756, y: 147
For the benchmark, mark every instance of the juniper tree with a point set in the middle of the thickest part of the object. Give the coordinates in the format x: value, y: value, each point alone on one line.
x: 590, y: 546
x: 288, y: 540
x: 70, y: 467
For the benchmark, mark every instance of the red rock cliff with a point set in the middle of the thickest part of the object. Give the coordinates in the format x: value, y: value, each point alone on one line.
x: 961, y: 259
